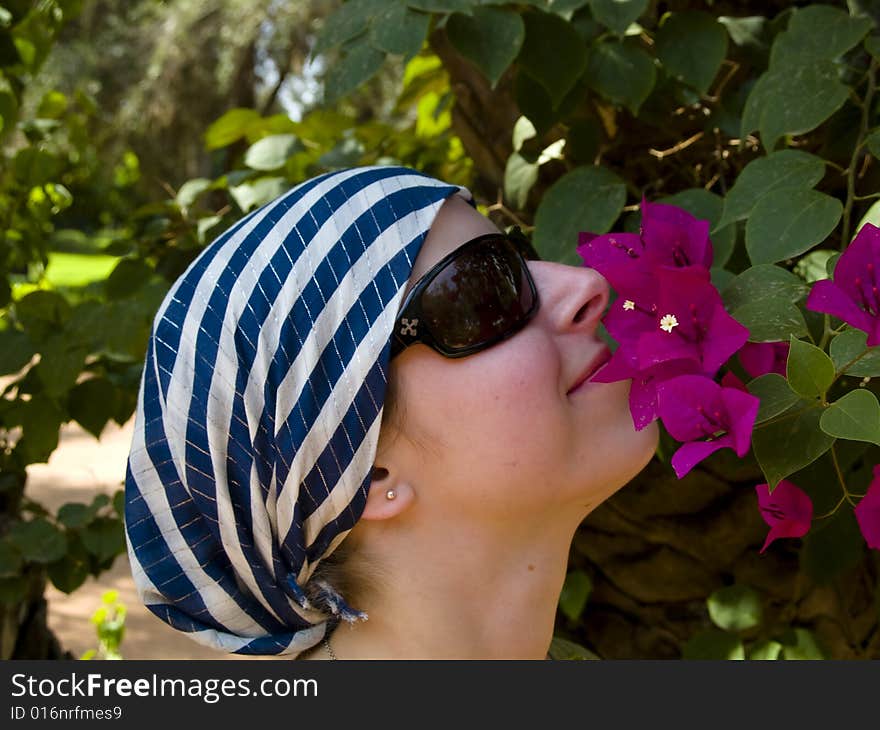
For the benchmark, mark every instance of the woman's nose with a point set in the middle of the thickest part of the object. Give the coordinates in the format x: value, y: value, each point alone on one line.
x: 571, y: 297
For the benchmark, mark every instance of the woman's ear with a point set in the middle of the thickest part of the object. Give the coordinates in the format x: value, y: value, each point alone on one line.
x: 388, y: 496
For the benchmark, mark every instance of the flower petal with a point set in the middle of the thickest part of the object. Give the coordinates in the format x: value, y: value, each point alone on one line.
x: 788, y: 510
x: 867, y: 512
x: 679, y: 403
x: 724, y: 337
x: 760, y: 358
x: 674, y: 237
x: 742, y: 409
x: 826, y: 296
x: 693, y: 452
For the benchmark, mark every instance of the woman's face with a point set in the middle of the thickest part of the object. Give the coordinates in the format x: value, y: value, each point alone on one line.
x: 497, y: 434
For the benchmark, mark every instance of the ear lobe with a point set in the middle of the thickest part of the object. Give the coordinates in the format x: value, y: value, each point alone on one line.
x: 387, y: 498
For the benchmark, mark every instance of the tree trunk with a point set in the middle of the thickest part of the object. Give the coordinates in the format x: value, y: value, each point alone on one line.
x: 24, y: 628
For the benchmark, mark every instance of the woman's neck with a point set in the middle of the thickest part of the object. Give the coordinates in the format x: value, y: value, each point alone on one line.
x: 477, y: 601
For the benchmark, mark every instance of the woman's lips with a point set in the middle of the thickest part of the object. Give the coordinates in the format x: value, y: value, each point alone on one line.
x: 602, y: 357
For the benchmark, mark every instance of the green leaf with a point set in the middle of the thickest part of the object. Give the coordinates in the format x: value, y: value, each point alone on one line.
x: 71, y: 571
x: 254, y: 194
x: 104, y: 538
x: 851, y: 344
x: 127, y: 277
x: 490, y: 39
x: 520, y: 175
x: 44, y: 311
x: 809, y: 371
x: 271, y: 152
x: 622, y: 73
x: 784, y: 446
x: 765, y: 650
x: 10, y: 559
x: 16, y: 351
x: 714, y: 644
x: 764, y: 283
x: 575, y: 593
x: 552, y: 53
x: 40, y: 419
x: 762, y: 299
x: 771, y: 325
x: 443, y: 6
x: 564, y: 650
x: 855, y: 416
x: 92, y: 403
x: 232, y: 126
x: 350, y: 20
x: 793, y: 101
x: 61, y: 361
x: 775, y: 394
x: 735, y: 608
x: 817, y: 32
x: 588, y: 198
x: 777, y: 171
x: 872, y: 216
x: 617, y: 15
x: 873, y: 143
x: 38, y: 540
x: 799, y: 643
x: 832, y: 548
x: 399, y: 30
x: 356, y: 67
x: 75, y: 514
x: 692, y: 45
x: 785, y: 223
x: 191, y: 190
x: 814, y: 266
x: 704, y: 205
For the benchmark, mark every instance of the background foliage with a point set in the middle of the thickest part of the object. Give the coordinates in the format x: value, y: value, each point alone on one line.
x: 131, y: 136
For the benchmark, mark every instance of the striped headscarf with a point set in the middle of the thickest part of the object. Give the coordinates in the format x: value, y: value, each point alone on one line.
x: 260, y: 404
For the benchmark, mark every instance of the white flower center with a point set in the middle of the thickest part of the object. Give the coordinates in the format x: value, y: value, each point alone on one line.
x: 668, y: 322
x: 629, y: 305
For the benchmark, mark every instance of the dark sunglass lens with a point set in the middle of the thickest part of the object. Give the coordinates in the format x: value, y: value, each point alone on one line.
x: 482, y: 295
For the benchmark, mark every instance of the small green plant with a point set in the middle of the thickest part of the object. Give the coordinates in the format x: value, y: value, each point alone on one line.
x: 109, y: 620
x: 739, y: 631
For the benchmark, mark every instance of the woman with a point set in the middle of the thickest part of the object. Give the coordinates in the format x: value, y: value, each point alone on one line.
x: 262, y: 445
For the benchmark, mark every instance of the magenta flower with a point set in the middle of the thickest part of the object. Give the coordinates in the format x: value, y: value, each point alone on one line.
x: 673, y: 237
x: 731, y: 380
x: 643, y: 389
x: 669, y: 236
x: 788, y: 510
x: 689, y: 322
x: 854, y: 295
x: 695, y: 407
x: 760, y: 358
x: 867, y: 512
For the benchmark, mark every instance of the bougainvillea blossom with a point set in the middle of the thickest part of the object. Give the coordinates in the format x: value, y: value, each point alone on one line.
x: 760, y: 358
x: 787, y: 510
x: 854, y: 294
x: 705, y: 417
x: 669, y: 236
x: 643, y: 389
x: 673, y: 237
x: 867, y: 512
x: 690, y: 322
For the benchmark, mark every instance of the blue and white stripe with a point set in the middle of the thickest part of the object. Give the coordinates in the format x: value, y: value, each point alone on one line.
x: 260, y: 405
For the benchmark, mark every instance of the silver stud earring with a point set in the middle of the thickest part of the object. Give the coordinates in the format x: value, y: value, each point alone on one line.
x: 390, y: 494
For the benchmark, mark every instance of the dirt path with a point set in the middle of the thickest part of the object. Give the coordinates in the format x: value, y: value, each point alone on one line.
x: 80, y: 466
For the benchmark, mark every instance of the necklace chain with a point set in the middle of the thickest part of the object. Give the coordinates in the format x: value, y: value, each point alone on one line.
x: 329, y: 648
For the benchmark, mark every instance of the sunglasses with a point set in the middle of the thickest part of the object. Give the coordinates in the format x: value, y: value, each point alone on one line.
x: 475, y: 296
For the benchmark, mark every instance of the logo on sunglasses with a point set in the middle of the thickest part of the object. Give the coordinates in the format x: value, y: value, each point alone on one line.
x: 409, y: 326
